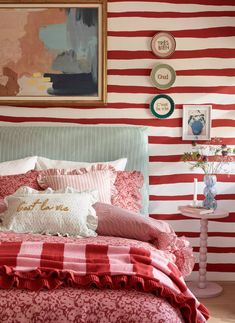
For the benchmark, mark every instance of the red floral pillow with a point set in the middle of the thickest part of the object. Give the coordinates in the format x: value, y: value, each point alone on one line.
x: 10, y: 183
x: 128, y: 195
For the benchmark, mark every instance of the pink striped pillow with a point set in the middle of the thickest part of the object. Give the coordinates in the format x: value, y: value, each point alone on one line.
x: 99, y: 177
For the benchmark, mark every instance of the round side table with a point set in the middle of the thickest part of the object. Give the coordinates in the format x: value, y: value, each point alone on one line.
x: 204, y: 288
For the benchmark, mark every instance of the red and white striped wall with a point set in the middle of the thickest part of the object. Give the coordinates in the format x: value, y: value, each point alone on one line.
x: 204, y: 61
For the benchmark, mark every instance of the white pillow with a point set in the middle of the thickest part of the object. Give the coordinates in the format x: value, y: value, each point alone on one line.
x: 18, y: 166
x: 46, y: 163
x: 64, y: 212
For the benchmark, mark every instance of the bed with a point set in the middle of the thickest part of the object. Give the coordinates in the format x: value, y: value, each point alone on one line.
x: 132, y: 271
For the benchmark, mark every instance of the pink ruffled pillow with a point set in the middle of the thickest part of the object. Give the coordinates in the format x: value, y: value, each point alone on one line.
x: 10, y: 183
x: 128, y: 195
x: 98, y: 177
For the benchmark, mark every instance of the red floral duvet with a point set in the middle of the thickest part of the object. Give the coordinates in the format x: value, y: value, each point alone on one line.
x: 103, y: 279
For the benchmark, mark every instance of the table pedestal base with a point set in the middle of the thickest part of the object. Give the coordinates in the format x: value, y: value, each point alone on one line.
x: 211, y: 289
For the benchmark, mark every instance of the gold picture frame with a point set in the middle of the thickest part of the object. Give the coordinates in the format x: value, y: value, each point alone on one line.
x: 53, y: 53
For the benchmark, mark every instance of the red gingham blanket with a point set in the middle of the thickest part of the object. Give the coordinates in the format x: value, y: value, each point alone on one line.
x: 36, y: 265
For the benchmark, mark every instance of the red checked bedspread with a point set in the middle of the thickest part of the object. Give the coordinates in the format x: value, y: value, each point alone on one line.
x: 104, y: 263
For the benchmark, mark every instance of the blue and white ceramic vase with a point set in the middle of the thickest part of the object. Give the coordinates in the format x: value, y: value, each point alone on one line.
x: 210, y: 192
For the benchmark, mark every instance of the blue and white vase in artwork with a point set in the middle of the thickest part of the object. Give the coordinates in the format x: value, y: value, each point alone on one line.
x: 197, y: 127
x: 210, y: 192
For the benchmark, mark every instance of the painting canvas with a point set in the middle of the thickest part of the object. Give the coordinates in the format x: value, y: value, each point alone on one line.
x: 196, y: 122
x: 53, y: 53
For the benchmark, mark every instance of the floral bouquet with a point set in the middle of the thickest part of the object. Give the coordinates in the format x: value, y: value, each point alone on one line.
x: 212, y: 157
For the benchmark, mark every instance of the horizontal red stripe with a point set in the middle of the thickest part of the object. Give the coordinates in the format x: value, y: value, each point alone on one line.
x: 147, y: 71
x: 218, y: 267
x: 189, y: 33
x: 126, y: 105
x: 166, y: 217
x: 180, y: 54
x: 178, y: 140
x: 168, y: 14
x: 118, y: 105
x: 189, y: 197
x: 172, y: 197
x: 142, y: 122
x: 217, y: 249
x: 202, y: 2
x: 210, y: 234
x: 173, y: 89
x: 45, y: 106
x: 155, y: 122
x: 186, y: 178
x: 208, y: 72
x: 169, y: 158
x: 165, y: 140
x: 223, y: 123
x: 230, y: 218
x: 173, y: 158
x: 178, y: 216
x: 134, y: 71
x: 82, y: 121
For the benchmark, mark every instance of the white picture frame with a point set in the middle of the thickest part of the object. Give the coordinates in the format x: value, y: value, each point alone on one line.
x: 197, y: 122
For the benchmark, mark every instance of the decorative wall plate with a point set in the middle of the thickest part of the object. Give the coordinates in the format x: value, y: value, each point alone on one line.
x: 163, y: 76
x: 162, y: 106
x: 163, y: 44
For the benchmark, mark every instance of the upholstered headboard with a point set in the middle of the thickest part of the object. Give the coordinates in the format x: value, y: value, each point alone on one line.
x: 79, y: 143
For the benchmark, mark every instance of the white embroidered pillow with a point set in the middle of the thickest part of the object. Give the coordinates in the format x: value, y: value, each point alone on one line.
x: 99, y: 177
x: 51, y: 212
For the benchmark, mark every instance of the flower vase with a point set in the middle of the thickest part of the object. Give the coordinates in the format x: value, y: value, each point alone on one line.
x: 210, y: 192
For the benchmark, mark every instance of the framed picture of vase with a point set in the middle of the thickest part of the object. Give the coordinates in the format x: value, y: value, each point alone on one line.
x: 53, y: 52
x: 197, y: 122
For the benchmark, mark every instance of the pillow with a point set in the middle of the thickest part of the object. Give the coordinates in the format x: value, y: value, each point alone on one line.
x: 18, y: 166
x: 46, y: 163
x: 115, y: 221
x: 118, y: 222
x: 9, y: 184
x: 51, y: 212
x: 2, y: 206
x: 127, y: 194
x: 99, y: 177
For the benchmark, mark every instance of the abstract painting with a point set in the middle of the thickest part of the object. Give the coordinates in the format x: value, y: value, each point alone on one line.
x: 53, y: 53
